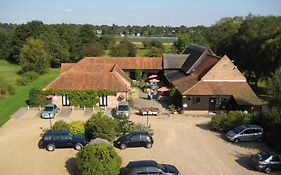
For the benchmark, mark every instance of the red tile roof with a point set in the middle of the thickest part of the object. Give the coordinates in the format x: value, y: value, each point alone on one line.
x: 129, y: 63
x: 242, y: 92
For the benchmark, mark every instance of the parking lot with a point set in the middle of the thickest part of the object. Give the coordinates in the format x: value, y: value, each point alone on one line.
x: 185, y: 141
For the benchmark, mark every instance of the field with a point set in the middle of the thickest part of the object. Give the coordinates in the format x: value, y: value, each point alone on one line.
x: 11, y: 104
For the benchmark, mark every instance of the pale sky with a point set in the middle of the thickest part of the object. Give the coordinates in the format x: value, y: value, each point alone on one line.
x: 133, y: 12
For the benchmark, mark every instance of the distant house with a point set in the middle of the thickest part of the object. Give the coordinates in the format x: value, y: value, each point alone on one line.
x: 97, y: 73
x: 205, y: 81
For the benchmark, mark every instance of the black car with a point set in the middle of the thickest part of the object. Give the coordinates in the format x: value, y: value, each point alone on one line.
x: 149, y: 167
x: 53, y: 139
x: 266, y: 162
x: 135, y: 139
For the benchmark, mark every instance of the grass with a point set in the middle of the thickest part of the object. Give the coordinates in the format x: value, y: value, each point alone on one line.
x: 9, y: 71
x: 11, y: 104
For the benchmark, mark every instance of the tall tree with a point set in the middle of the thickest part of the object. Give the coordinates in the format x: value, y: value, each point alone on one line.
x: 33, y: 29
x: 182, y: 42
x: 5, y: 39
x: 34, y: 57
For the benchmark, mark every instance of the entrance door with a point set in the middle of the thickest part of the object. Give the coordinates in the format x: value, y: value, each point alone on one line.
x: 65, y: 100
x: 103, y: 100
x: 212, y: 104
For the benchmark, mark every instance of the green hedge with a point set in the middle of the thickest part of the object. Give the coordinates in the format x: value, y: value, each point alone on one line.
x: 99, y: 159
x: 225, y: 122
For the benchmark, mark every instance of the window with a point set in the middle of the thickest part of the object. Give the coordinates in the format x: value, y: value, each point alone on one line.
x: 275, y: 159
x: 219, y: 101
x: 196, y: 100
x: 135, y: 138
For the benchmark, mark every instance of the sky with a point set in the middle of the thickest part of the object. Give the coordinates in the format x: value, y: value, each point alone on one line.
x: 133, y: 12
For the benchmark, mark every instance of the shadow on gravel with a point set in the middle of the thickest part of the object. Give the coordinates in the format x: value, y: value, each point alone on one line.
x: 244, y: 161
x: 70, y: 166
x: 206, y: 126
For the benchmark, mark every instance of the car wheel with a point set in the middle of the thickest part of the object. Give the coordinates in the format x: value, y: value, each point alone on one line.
x: 78, y: 146
x: 148, y: 145
x: 51, y: 147
x: 236, y: 140
x: 123, y: 146
x: 267, y: 170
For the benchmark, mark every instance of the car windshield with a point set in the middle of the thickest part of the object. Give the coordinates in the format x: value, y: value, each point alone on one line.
x: 262, y: 156
x: 161, y: 166
x: 48, y: 108
x: 123, y: 107
x: 238, y: 129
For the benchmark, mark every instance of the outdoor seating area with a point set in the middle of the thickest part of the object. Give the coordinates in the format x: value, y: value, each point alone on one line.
x: 154, y: 91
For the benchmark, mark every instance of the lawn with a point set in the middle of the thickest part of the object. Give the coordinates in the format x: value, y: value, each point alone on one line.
x: 11, y: 104
x: 9, y: 71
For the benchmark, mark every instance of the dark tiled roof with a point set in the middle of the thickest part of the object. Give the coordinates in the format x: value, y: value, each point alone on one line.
x: 241, y: 91
x: 174, y: 61
x: 172, y: 75
x: 196, y: 54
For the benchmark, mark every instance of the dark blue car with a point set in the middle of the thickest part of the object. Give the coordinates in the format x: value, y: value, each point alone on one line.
x: 53, y: 139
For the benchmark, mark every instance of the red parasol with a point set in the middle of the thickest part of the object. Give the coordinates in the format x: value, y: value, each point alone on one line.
x: 154, y: 81
x: 163, y: 89
x: 152, y: 76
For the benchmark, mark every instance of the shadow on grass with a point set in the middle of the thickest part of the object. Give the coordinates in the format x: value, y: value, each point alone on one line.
x: 71, y: 167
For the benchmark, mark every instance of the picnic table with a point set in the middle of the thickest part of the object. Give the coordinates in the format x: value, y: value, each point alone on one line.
x: 149, y: 111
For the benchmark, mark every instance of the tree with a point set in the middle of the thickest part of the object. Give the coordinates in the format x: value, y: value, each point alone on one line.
x: 93, y: 50
x: 181, y: 43
x: 34, y: 57
x: 100, y: 126
x: 274, y: 88
x: 99, y: 159
x: 154, y: 52
x: 124, y: 49
x: 5, y: 39
x: 107, y: 41
x: 33, y: 29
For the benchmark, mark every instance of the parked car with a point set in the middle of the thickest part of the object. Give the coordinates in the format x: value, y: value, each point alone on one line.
x: 49, y: 111
x: 135, y: 139
x: 245, y: 133
x: 53, y: 139
x: 149, y: 167
x: 123, y: 109
x: 266, y: 162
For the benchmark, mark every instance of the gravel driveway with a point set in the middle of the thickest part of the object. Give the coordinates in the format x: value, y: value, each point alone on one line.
x: 184, y: 141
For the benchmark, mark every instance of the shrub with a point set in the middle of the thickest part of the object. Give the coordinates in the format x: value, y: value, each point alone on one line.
x: 141, y: 127
x: 77, y: 127
x: 37, y: 98
x: 22, y: 81
x: 154, y: 52
x: 99, y: 141
x: 6, y: 88
x: 100, y: 159
x: 124, y: 125
x: 172, y: 92
x: 100, y: 126
x: 61, y: 125
x: 31, y: 75
x: 233, y: 119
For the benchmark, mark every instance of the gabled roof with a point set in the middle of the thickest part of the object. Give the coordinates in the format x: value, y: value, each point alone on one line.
x: 174, y: 61
x: 66, y: 66
x: 224, y: 71
x: 241, y: 91
x: 195, y: 55
x: 86, y: 76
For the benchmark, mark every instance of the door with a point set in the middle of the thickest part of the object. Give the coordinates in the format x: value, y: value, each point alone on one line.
x: 212, y: 104
x: 103, y: 100
x: 246, y: 135
x: 65, y: 100
x: 134, y: 141
x: 275, y: 162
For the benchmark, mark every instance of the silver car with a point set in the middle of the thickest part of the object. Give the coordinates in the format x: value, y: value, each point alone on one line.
x: 245, y: 133
x: 123, y: 109
x: 49, y: 111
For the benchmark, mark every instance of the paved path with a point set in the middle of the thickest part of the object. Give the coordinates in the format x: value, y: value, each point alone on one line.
x: 142, y: 101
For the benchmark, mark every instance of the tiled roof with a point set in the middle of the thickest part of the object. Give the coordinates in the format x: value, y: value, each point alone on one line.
x: 66, y: 66
x: 224, y: 70
x: 87, y: 76
x: 129, y: 63
x: 242, y: 92
x: 174, y: 61
x: 186, y: 82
